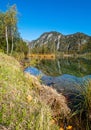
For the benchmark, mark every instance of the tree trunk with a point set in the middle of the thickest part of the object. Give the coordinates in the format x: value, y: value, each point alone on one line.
x: 12, y: 48
x: 6, y: 35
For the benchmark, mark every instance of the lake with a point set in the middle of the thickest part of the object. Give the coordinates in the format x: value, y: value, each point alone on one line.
x: 65, y: 75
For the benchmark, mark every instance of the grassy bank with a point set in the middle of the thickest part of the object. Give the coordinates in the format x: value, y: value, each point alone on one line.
x: 24, y: 103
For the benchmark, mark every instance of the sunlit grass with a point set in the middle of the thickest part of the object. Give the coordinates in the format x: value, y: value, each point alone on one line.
x: 20, y: 106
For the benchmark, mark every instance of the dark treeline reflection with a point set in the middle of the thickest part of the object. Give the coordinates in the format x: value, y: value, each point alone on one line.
x: 76, y: 67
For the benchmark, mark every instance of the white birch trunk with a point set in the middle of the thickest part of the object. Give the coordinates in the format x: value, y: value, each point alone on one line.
x: 12, y: 44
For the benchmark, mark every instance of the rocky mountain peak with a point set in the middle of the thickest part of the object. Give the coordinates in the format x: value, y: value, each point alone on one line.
x: 61, y: 42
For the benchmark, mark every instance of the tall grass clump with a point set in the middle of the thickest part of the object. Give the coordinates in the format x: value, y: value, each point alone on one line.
x: 86, y: 92
x: 82, y: 113
x: 20, y: 105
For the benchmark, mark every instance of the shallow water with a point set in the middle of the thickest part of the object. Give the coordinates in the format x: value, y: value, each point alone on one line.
x: 63, y: 74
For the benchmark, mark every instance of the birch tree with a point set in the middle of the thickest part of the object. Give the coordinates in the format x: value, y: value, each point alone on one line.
x: 6, y: 22
x: 13, y: 21
x: 10, y: 26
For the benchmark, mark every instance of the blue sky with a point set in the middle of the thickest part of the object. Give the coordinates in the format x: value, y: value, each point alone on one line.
x: 38, y: 16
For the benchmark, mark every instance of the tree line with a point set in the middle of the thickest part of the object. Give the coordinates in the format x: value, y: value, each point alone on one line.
x: 10, y: 40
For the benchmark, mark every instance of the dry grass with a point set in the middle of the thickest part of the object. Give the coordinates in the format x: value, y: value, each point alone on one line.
x: 24, y: 103
x: 43, y: 56
x: 56, y: 101
x: 3, y: 128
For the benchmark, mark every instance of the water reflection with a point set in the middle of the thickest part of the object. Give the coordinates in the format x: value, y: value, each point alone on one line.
x: 76, y: 67
x: 63, y: 74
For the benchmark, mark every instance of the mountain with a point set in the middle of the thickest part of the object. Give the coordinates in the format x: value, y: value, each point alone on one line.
x: 56, y: 42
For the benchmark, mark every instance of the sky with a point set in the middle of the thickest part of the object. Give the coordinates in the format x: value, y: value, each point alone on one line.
x: 38, y: 16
